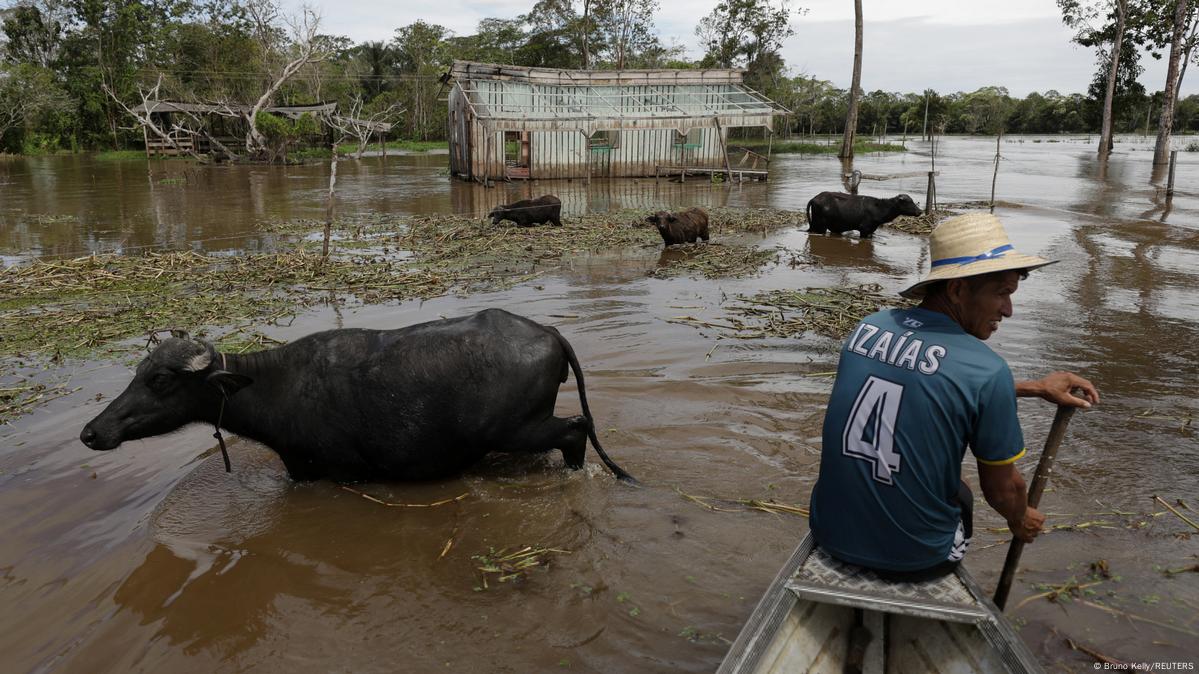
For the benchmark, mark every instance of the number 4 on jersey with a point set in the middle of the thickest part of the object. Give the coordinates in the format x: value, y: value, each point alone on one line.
x: 870, y: 432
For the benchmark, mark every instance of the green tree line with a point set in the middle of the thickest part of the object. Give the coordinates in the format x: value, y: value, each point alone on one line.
x: 58, y: 58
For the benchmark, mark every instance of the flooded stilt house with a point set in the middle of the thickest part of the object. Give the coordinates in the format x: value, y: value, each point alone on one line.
x: 513, y: 122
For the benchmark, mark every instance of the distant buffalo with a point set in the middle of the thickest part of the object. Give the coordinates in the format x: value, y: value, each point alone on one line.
x: 530, y: 212
x: 839, y: 212
x: 415, y: 403
x: 686, y: 226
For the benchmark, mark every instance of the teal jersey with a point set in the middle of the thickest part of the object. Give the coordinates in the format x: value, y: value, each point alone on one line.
x: 913, y: 391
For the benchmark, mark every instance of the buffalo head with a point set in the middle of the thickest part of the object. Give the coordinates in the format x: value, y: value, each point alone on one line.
x: 907, y: 206
x: 661, y: 219
x: 179, y: 382
x: 497, y: 214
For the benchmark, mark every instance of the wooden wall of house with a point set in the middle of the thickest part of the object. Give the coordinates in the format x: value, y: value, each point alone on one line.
x: 458, y: 122
x: 477, y: 154
x: 566, y: 154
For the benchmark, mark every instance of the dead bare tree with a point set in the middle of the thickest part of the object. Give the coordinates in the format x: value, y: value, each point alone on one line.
x: 361, y: 129
x: 304, y: 48
x: 145, y: 118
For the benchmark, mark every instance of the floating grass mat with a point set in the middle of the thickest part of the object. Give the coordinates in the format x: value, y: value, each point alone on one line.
x: 71, y: 307
x: 55, y: 309
x: 713, y: 260
x: 506, y: 565
x: 830, y: 312
x: 753, y: 219
x: 925, y: 224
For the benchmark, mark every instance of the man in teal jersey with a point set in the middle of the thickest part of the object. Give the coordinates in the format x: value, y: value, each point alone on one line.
x: 916, y: 387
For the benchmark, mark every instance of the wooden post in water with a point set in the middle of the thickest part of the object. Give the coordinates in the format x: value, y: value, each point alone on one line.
x: 931, y: 194
x: 995, y: 176
x: 1170, y: 180
x: 1044, y: 469
x: 724, y: 151
x: 924, y: 130
x: 329, y: 205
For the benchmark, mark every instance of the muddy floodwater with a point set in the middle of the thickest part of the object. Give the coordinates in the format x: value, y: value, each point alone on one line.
x: 151, y: 558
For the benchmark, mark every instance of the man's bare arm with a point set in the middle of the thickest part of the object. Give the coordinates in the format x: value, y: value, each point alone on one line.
x: 1005, y: 491
x: 1057, y: 387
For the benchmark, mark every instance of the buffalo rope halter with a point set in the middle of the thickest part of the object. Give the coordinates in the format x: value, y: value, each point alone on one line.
x: 217, y: 426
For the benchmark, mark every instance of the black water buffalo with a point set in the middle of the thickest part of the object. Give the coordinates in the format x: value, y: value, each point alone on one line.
x: 686, y: 226
x: 530, y: 212
x: 839, y: 212
x: 419, y: 402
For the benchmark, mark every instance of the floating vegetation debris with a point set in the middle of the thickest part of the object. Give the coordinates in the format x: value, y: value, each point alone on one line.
x: 1184, y: 420
x: 46, y: 219
x: 830, y: 312
x: 1071, y: 589
x: 925, y: 224
x: 20, y: 396
x: 697, y: 636
x: 71, y: 307
x: 712, y: 260
x: 503, y: 565
x: 744, y: 504
x: 55, y: 309
x: 391, y: 504
x: 1174, y: 510
x: 918, y: 224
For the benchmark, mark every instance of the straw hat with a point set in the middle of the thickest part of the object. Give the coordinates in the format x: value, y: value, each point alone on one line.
x: 970, y: 245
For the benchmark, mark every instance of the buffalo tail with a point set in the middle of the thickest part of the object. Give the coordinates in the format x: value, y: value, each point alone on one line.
x: 574, y: 366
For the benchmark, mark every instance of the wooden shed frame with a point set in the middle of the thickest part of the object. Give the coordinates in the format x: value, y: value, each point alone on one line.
x: 549, y: 119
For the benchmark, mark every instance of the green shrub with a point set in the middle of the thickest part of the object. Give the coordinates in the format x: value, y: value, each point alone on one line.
x: 39, y: 143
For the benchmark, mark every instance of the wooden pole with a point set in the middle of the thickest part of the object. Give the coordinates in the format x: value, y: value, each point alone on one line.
x: 724, y: 151
x: 995, y: 176
x: 383, y: 143
x: 924, y: 129
x: 1044, y: 469
x: 930, y: 194
x: 1170, y: 181
x: 329, y: 205
x: 486, y: 154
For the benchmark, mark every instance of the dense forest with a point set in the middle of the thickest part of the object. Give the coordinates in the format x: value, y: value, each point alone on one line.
x: 68, y: 66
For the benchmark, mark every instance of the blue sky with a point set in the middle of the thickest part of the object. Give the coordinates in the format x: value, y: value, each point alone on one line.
x: 949, y: 45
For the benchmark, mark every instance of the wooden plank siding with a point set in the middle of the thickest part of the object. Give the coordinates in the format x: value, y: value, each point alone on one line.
x: 648, y: 109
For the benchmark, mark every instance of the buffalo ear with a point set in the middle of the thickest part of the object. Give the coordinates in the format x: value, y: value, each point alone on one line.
x: 228, y: 383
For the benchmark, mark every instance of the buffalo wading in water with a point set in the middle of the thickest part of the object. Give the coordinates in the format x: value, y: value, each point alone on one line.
x: 686, y: 226
x: 838, y: 212
x: 529, y: 212
x: 420, y: 402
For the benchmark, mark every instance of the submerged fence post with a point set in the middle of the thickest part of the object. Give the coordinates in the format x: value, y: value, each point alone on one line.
x: 931, y: 193
x: 329, y: 205
x: 995, y: 176
x: 1170, y: 180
